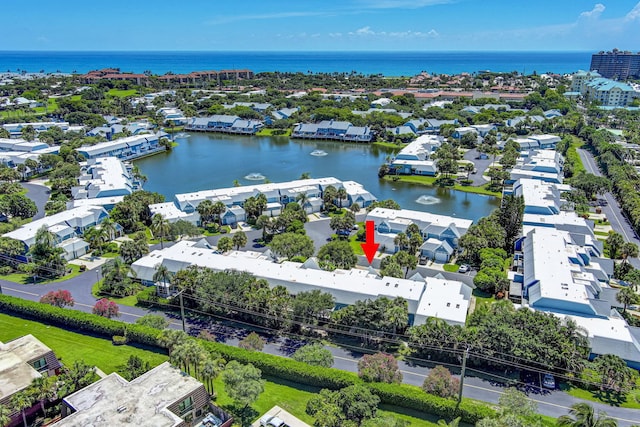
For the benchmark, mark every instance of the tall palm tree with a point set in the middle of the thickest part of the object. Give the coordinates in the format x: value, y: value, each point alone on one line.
x: 626, y: 296
x: 210, y: 369
x: 583, y: 415
x: 21, y: 401
x: 205, y: 209
x: 96, y: 236
x: 45, y: 237
x: 302, y: 199
x: 43, y: 389
x: 401, y: 241
x: 342, y: 195
x: 261, y: 203
x: 628, y: 250
x: 170, y: 338
x: 162, y: 274
x: 109, y: 228
x: 160, y: 227
x: 218, y: 209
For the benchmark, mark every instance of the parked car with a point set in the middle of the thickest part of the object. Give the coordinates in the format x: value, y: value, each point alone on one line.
x: 464, y: 268
x: 423, y: 260
x: 548, y: 381
x: 271, y: 421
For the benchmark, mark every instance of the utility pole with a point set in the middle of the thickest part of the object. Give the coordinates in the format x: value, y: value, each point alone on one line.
x: 462, y: 372
x: 184, y: 329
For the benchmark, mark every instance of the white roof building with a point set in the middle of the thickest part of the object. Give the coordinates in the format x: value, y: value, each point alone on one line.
x: 66, y: 226
x: 123, y: 148
x: 346, y: 286
x: 162, y: 397
x: 104, y: 177
x: 420, y: 149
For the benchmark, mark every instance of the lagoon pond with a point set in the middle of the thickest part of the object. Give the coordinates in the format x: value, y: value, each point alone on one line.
x: 203, y: 161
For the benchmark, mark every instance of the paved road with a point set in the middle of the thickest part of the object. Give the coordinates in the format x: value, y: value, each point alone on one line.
x: 481, y: 166
x: 552, y: 403
x: 39, y: 194
x: 612, y: 210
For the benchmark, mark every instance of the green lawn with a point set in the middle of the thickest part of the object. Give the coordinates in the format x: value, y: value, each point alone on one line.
x: 121, y: 93
x: 270, y: 132
x: 71, y: 346
x: 631, y: 400
x: 52, y: 106
x: 23, y: 278
x: 451, y: 268
x: 430, y: 181
x: 391, y: 145
x: 573, y: 156
x: 130, y: 301
x: 293, y: 398
x: 483, y: 297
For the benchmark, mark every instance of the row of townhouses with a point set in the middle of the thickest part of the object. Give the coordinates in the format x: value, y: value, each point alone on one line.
x: 559, y: 266
x: 333, y: 130
x: 225, y: 124
x: 278, y: 195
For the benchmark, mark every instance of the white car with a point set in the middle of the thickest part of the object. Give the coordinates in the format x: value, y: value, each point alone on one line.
x: 548, y: 381
x: 464, y: 268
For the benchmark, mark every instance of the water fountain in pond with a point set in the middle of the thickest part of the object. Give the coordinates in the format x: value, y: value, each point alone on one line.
x: 181, y: 135
x: 319, y: 153
x: 427, y: 200
x: 255, y: 176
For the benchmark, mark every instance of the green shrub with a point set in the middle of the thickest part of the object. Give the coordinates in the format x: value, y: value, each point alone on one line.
x: 5, y: 269
x: 119, y: 340
x: 403, y: 395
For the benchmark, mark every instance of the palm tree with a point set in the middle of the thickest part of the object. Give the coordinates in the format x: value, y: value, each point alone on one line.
x: 43, y: 389
x: 5, y: 415
x: 628, y: 250
x: 261, y: 203
x: 21, y: 401
x: 45, y: 238
x: 109, y: 228
x: 401, y: 241
x: 626, y: 296
x: 162, y: 274
x: 210, y: 369
x: 22, y: 168
x: 262, y: 222
x: 342, y: 195
x: 582, y: 415
x: 453, y: 423
x: 160, y: 227
x: 239, y: 240
x: 96, y: 236
x: 218, y: 209
x: 205, y: 209
x: 302, y: 199
x: 170, y: 338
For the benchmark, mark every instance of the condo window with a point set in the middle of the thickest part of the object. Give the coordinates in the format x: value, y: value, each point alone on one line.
x: 40, y: 364
x: 186, y: 405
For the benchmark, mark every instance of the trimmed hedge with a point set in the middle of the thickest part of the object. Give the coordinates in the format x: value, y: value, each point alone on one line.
x: 403, y: 395
x: 79, y: 320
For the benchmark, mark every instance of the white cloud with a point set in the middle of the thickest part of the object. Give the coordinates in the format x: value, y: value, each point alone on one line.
x: 368, y: 32
x: 593, y: 13
x: 633, y: 13
x: 400, y: 4
x: 225, y: 19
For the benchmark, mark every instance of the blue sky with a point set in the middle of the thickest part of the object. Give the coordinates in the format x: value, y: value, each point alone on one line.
x: 321, y: 25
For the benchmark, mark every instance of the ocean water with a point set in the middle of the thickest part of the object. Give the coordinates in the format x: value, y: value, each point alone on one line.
x: 385, y: 63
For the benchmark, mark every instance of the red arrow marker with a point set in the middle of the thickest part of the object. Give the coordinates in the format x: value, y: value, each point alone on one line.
x: 370, y: 247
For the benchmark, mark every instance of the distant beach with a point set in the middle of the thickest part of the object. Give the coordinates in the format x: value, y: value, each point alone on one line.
x: 385, y: 63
